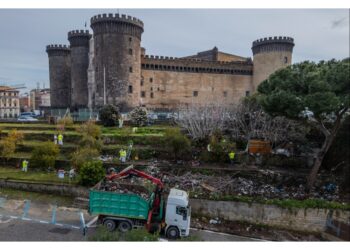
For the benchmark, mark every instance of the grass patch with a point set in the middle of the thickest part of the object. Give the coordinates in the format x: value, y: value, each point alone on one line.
x: 31, y: 175
x: 102, y: 234
x: 285, y: 203
x: 39, y: 197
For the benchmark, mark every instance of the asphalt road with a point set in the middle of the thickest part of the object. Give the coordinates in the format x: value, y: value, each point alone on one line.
x: 30, y: 221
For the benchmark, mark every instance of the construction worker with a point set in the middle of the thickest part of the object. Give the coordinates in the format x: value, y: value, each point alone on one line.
x: 24, y: 165
x: 122, y: 155
x: 231, y: 155
x: 60, y: 139
x: 55, y: 139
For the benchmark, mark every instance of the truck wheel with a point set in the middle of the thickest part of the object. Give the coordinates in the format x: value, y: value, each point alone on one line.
x: 110, y: 225
x: 124, y: 226
x: 172, y: 233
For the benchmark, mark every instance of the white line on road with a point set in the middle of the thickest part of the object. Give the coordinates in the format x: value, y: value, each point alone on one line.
x: 41, y: 221
x: 92, y: 222
x: 26, y: 219
x: 226, y: 234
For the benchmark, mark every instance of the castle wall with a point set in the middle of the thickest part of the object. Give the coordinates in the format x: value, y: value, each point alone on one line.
x: 171, y: 89
x: 168, y: 82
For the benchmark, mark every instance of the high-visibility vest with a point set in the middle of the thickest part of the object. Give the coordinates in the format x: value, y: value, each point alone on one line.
x: 124, y: 153
x: 60, y: 137
x: 231, y: 155
x: 24, y: 163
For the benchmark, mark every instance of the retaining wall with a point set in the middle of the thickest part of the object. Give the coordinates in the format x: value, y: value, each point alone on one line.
x: 59, y: 189
x: 302, y: 219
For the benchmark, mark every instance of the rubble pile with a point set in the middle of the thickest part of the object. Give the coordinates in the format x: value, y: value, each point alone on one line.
x: 227, y: 185
x: 129, y: 185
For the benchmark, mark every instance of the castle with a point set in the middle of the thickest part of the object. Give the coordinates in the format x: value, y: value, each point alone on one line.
x: 111, y: 67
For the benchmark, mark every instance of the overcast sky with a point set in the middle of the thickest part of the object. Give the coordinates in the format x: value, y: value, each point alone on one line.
x: 318, y: 34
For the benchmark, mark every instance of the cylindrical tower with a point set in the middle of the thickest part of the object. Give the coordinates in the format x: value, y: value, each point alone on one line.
x: 79, y: 53
x: 60, y: 77
x: 270, y: 54
x: 117, y: 59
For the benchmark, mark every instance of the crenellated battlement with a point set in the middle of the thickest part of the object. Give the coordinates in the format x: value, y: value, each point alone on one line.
x: 79, y: 38
x: 275, y: 39
x: 57, y: 49
x: 276, y: 43
x: 184, y: 59
x: 192, y: 65
x: 79, y: 33
x: 116, y: 18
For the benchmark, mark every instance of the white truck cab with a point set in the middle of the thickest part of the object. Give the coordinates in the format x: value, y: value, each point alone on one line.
x: 178, y: 214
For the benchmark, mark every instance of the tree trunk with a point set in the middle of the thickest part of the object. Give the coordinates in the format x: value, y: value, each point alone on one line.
x: 324, y: 149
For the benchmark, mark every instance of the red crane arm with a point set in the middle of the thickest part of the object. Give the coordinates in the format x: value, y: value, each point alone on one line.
x: 131, y: 170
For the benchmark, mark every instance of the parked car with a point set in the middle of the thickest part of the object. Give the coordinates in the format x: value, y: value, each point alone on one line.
x: 26, y: 118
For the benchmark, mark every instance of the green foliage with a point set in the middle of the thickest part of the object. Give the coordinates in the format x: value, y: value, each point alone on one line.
x: 219, y: 148
x: 109, y: 115
x: 91, y: 172
x: 66, y: 120
x: 9, y: 143
x: 44, y: 155
x: 179, y: 143
x: 134, y: 235
x: 16, y: 136
x: 7, y: 147
x: 83, y: 155
x: 91, y: 136
x: 138, y: 116
x: 323, y: 88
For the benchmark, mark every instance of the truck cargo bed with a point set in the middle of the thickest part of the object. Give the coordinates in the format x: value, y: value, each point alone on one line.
x: 119, y: 205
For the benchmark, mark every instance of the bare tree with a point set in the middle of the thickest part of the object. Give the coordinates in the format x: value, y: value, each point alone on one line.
x: 201, y: 121
x: 248, y: 121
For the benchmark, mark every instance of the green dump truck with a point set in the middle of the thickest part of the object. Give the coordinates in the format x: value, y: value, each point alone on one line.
x: 126, y: 211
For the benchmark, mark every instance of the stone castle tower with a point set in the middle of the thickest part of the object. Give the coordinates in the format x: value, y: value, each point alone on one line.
x: 79, y: 51
x: 270, y: 54
x: 60, y: 75
x: 117, y: 59
x: 111, y: 67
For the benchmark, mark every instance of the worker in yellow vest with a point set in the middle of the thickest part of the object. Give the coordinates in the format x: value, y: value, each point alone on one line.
x: 122, y: 155
x: 60, y: 139
x: 24, y: 165
x: 231, y: 155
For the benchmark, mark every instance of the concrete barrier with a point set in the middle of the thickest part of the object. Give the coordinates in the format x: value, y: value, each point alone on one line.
x: 50, y: 188
x: 301, y: 219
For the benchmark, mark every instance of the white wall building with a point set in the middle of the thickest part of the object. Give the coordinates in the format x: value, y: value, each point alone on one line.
x: 9, y: 102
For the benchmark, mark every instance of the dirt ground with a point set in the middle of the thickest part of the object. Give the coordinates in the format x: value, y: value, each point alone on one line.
x: 254, y: 231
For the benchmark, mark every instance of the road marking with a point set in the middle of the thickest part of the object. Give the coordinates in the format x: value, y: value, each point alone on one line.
x: 13, y: 217
x: 226, y: 234
x: 27, y: 219
x: 92, y: 222
x: 42, y: 221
